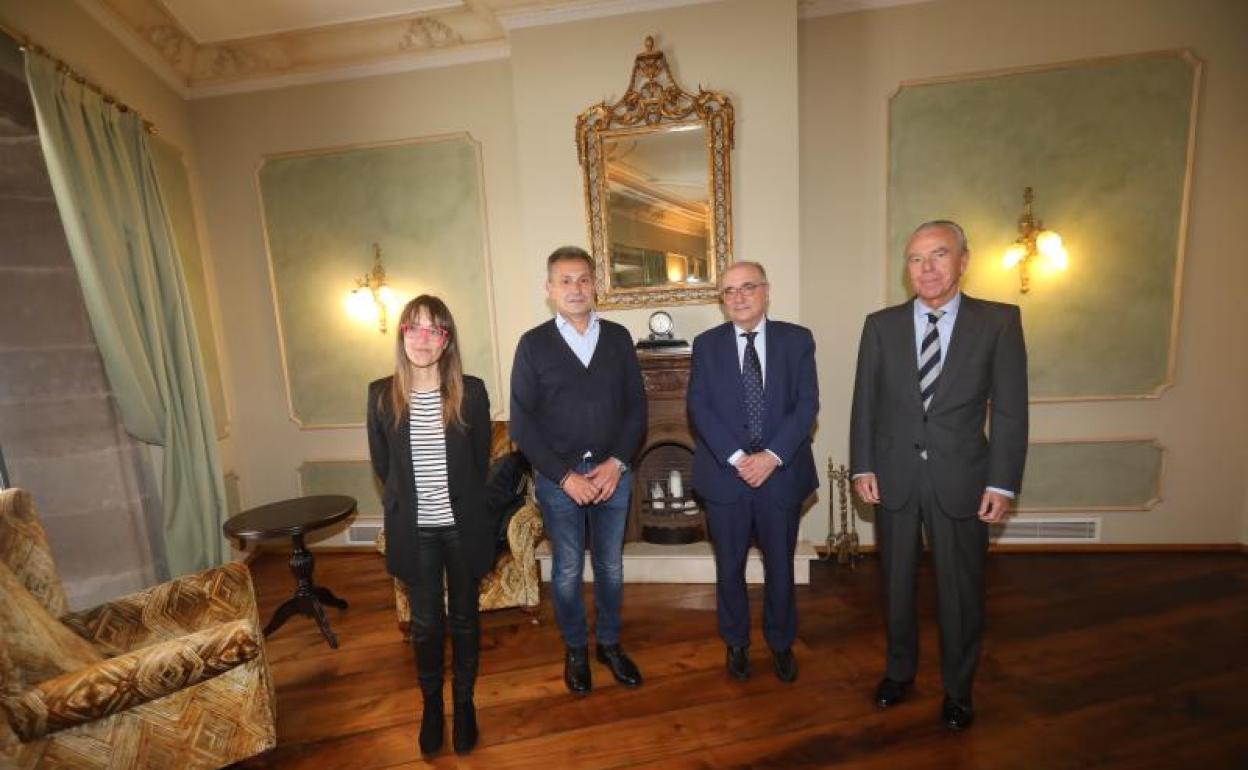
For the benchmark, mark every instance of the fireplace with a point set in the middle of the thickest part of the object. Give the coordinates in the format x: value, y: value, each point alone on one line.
x: 663, y: 509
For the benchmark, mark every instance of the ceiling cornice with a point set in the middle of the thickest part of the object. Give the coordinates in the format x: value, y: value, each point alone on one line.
x: 580, y: 10
x: 813, y: 9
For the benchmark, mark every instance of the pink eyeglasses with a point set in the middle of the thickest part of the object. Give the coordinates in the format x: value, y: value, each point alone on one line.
x: 416, y: 331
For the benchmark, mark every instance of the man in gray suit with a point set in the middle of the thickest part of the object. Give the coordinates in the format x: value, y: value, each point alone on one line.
x: 931, y: 372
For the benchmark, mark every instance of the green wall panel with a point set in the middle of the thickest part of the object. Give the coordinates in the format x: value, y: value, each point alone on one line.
x: 342, y: 477
x: 176, y: 189
x: 1092, y: 475
x: 422, y: 202
x: 1105, y: 145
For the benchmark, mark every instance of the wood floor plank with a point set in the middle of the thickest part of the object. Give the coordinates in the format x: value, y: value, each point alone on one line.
x: 1096, y: 661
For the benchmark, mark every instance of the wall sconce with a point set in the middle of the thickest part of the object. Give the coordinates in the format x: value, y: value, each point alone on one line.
x: 1033, y: 241
x: 369, y: 301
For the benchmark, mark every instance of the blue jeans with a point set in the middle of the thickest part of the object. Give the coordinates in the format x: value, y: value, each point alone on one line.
x: 565, y: 523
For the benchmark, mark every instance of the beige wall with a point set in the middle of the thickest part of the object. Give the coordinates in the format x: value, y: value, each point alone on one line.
x: 745, y: 48
x: 851, y: 64
x: 830, y: 77
x: 233, y: 134
x: 523, y: 113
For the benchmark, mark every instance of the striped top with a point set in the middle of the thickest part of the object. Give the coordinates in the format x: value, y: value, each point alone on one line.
x: 428, y: 439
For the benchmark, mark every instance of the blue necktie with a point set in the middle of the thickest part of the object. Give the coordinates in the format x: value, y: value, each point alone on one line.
x: 752, y: 379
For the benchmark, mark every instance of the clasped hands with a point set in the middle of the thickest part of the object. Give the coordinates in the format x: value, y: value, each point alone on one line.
x: 992, y: 505
x: 756, y: 468
x: 596, y: 486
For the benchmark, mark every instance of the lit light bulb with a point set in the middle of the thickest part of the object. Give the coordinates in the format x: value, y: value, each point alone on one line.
x: 1013, y: 255
x: 1049, y: 244
x: 360, y: 305
x: 385, y: 295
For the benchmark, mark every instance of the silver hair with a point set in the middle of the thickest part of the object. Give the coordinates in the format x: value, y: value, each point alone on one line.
x: 743, y: 263
x: 958, y: 233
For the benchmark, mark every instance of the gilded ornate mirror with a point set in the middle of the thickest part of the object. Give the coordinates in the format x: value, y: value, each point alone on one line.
x: 658, y: 191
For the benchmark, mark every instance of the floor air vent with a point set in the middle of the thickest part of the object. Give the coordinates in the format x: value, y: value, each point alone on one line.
x: 363, y: 534
x: 1048, y: 531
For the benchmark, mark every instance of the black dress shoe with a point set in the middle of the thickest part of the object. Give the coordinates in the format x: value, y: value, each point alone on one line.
x: 576, y: 670
x: 622, y: 667
x: 785, y: 664
x: 739, y: 663
x: 432, y: 726
x: 464, y: 727
x: 889, y: 693
x: 956, y: 716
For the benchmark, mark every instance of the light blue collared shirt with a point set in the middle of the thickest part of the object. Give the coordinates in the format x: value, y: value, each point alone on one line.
x: 944, y: 327
x: 583, y: 345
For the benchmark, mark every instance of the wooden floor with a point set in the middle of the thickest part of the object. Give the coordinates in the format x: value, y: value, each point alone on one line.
x: 1090, y: 661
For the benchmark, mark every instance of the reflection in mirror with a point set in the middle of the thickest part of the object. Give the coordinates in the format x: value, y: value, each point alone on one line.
x: 658, y: 208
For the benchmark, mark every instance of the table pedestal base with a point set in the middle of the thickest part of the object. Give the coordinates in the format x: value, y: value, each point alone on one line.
x: 308, y: 597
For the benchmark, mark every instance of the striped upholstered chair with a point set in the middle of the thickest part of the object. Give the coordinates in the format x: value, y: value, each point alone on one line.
x: 516, y: 579
x: 174, y: 676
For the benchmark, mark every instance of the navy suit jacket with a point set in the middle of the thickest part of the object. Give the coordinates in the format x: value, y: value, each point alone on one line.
x: 716, y: 398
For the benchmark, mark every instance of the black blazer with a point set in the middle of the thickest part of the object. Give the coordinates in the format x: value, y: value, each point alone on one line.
x: 467, y: 461
x: 984, y: 374
x: 716, y: 399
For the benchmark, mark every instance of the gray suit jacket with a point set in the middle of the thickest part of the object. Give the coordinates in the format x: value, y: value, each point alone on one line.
x: 984, y: 375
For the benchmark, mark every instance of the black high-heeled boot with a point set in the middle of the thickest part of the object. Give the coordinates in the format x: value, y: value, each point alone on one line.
x: 464, y: 727
x: 432, y: 722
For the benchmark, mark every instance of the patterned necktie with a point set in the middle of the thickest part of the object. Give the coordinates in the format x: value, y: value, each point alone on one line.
x: 929, y: 359
x: 752, y: 379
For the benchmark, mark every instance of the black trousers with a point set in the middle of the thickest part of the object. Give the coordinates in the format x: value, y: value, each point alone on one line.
x: 959, y: 547
x: 440, y: 560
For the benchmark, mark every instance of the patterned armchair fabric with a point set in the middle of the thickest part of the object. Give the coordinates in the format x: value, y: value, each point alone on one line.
x: 516, y: 577
x: 174, y: 676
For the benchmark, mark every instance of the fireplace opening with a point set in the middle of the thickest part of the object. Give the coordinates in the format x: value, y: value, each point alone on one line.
x: 664, y: 509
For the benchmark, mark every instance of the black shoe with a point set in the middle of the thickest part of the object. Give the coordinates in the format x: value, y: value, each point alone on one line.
x: 432, y: 725
x: 785, y: 664
x: 889, y: 693
x: 464, y: 727
x: 956, y: 716
x: 739, y: 663
x: 622, y: 667
x: 576, y: 670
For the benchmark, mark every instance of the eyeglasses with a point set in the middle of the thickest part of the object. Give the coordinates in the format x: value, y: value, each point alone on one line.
x: 745, y: 290
x: 415, y: 332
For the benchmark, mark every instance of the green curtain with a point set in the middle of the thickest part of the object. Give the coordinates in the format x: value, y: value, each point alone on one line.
x: 123, y: 247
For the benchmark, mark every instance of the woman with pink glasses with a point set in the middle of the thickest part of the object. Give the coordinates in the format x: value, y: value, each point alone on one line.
x: 429, y: 440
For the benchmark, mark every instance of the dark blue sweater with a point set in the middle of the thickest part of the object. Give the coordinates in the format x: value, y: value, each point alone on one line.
x: 560, y: 408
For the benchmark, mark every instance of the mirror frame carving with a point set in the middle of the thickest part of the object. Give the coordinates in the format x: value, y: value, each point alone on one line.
x: 653, y: 102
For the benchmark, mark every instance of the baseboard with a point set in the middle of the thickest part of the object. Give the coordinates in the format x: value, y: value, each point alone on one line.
x: 1240, y: 548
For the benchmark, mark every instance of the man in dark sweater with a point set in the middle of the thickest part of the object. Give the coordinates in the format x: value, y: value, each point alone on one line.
x: 578, y: 412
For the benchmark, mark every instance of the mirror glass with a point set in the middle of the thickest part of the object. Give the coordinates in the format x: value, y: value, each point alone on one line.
x: 658, y: 208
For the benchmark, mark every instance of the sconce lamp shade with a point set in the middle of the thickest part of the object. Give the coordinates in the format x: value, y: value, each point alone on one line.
x: 1033, y: 240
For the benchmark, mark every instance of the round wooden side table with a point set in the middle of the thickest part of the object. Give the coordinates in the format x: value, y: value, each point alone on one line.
x: 294, y: 519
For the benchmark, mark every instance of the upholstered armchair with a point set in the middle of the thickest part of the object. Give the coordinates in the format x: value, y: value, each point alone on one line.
x: 174, y: 676
x: 516, y: 577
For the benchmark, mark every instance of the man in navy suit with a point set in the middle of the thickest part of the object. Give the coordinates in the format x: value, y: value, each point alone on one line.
x: 753, y: 396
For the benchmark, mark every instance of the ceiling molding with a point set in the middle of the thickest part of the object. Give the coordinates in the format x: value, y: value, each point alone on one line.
x: 580, y: 10
x: 141, y: 50
x: 466, y: 54
x: 812, y: 9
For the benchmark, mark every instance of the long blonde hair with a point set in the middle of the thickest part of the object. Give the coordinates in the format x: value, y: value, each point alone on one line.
x: 450, y: 367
